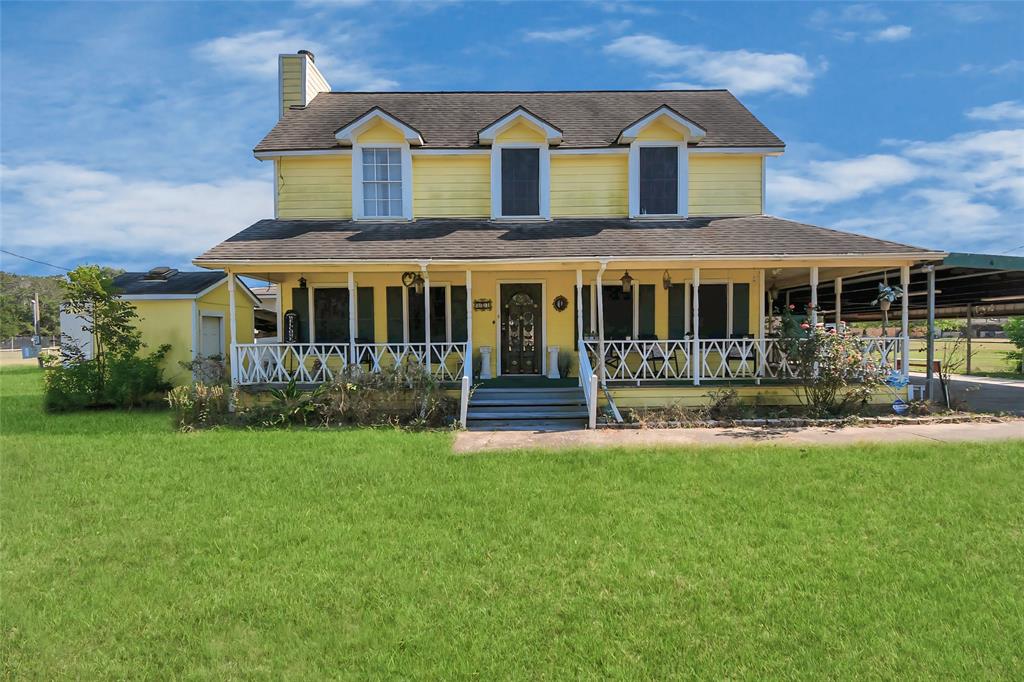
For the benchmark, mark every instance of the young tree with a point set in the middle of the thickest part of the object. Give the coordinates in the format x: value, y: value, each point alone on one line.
x: 110, y: 320
x: 1014, y: 329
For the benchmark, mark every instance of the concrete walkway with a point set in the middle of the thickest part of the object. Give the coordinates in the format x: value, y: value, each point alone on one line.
x: 473, y: 441
x: 983, y: 394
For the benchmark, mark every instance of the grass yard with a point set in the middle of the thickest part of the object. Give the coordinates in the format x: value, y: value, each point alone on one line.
x: 988, y: 356
x: 131, y: 551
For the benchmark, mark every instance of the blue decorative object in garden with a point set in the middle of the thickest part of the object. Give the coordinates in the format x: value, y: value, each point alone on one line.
x: 897, y: 380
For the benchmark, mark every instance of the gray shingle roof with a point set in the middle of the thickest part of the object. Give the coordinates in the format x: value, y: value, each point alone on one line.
x: 453, y: 119
x: 136, y: 284
x: 450, y: 239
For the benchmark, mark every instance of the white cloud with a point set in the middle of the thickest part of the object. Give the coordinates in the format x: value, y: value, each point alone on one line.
x: 741, y: 71
x: 963, y: 193
x: 625, y: 7
x: 565, y: 35
x: 1000, y: 111
x: 73, y: 214
x: 862, y: 13
x: 825, y: 182
x: 255, y: 54
x: 891, y: 34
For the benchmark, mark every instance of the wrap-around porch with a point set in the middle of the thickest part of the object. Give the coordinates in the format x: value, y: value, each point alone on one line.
x: 605, y: 325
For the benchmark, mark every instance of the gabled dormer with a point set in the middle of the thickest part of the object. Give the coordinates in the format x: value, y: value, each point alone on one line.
x: 520, y: 165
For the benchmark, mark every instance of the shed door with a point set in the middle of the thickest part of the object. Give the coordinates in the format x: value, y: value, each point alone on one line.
x: 211, y: 336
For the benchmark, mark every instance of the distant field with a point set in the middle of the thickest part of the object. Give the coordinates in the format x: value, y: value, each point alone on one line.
x: 988, y: 357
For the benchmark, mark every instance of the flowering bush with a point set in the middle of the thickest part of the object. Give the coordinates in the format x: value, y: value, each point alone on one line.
x: 833, y: 372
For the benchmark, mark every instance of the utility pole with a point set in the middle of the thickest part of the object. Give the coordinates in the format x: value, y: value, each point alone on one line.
x: 36, y: 340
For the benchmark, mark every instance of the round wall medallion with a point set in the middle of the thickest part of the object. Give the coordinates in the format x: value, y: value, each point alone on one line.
x: 561, y: 303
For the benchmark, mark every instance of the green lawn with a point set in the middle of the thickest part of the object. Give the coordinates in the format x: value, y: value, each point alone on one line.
x: 131, y: 551
x: 988, y: 356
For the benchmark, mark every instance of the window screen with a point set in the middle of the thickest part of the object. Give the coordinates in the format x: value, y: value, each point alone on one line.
x: 417, y: 326
x: 659, y: 180
x: 520, y: 182
x: 330, y: 315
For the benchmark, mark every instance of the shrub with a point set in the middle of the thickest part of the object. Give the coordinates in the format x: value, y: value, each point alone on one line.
x: 132, y: 380
x: 833, y: 374
x: 199, y: 406
x: 1014, y: 329
x: 404, y: 395
x: 69, y: 386
x: 207, y: 369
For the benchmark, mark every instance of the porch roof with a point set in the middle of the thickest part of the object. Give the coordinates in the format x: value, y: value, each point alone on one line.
x: 481, y: 240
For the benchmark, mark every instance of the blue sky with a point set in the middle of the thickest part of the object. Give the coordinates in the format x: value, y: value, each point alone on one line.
x: 127, y: 129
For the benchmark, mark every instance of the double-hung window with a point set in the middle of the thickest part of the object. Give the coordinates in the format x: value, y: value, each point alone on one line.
x: 520, y: 182
x: 659, y: 180
x: 382, y: 182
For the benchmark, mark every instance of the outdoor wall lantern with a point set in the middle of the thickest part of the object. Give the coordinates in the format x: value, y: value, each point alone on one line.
x: 627, y: 282
x: 666, y: 280
x: 302, y: 282
x: 413, y: 279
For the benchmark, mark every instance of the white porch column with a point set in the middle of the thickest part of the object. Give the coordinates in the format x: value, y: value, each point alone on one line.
x: 234, y: 328
x: 468, y: 366
x: 814, y: 297
x: 838, y: 285
x: 695, y: 358
x: 579, y: 304
x: 600, y: 321
x: 426, y: 313
x: 352, y: 316
x: 760, y: 327
x: 905, y: 310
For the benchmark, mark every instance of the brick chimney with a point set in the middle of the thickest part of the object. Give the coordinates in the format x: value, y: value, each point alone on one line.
x: 299, y: 81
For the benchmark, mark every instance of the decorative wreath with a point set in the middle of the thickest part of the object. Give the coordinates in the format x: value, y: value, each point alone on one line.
x: 561, y: 303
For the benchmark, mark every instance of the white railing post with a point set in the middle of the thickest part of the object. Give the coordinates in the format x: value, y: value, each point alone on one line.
x: 696, y: 361
x: 592, y: 403
x: 600, y: 321
x: 759, y: 373
x: 464, y: 401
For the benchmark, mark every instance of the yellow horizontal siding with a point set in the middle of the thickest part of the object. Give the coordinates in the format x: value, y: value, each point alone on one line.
x: 520, y: 132
x: 291, y: 80
x: 380, y: 132
x: 659, y: 130
x: 725, y: 185
x: 315, y: 187
x: 589, y: 185
x: 451, y: 186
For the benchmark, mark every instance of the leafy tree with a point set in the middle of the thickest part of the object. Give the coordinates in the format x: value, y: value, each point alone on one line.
x: 16, y: 294
x: 1014, y: 329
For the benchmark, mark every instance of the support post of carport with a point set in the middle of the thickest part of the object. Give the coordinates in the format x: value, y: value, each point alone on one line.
x: 814, y: 297
x: 838, y: 285
x: 905, y: 321
x: 352, y: 317
x: 970, y: 333
x: 695, y: 359
x: 930, y: 269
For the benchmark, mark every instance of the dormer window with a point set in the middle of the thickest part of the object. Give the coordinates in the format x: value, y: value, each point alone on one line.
x: 382, y: 182
x: 659, y: 181
x: 520, y: 182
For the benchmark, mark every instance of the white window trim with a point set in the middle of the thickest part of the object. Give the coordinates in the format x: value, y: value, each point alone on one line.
x: 683, y: 179
x: 543, y: 179
x: 199, y: 332
x: 357, y: 180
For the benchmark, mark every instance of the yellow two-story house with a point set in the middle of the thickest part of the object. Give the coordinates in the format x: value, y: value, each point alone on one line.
x: 617, y: 239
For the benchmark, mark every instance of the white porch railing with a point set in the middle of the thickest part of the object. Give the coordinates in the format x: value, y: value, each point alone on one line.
x: 314, y: 363
x: 718, y: 359
x: 588, y: 382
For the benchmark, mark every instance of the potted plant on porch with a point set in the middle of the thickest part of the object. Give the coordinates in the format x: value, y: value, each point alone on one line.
x: 886, y: 295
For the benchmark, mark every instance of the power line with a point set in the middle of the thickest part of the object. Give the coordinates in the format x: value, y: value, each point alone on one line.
x: 1016, y: 248
x: 33, y: 260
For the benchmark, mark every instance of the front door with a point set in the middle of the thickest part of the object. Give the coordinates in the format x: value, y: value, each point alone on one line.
x: 521, y: 329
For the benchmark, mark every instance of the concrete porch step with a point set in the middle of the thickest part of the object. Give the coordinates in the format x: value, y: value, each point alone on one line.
x: 527, y: 425
x: 519, y: 412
